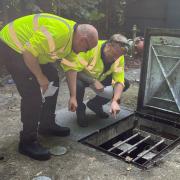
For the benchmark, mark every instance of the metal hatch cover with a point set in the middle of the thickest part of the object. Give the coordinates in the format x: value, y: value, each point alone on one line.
x: 159, y: 92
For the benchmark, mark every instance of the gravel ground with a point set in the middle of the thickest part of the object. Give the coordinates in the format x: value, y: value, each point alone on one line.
x: 81, y: 162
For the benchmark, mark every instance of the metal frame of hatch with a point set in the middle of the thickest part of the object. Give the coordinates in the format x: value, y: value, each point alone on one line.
x: 146, y: 109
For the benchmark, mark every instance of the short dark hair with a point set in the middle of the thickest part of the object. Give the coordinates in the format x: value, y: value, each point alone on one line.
x: 119, y: 39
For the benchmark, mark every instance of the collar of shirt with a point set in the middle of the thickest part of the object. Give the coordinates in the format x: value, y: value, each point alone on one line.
x: 75, y: 26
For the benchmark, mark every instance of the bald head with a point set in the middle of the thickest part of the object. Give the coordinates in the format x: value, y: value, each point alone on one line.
x: 90, y: 32
x: 85, y: 38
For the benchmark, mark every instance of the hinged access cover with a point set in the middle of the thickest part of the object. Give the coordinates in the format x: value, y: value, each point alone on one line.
x: 159, y: 93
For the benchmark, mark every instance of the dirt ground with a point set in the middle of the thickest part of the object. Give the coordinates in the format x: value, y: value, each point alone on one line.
x: 80, y: 162
x: 13, y: 164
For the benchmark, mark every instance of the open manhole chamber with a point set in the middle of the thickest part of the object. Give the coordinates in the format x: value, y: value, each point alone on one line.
x: 154, y: 129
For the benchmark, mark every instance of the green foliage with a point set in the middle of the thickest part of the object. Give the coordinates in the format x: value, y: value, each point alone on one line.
x: 106, y: 15
x: 120, y: 6
x: 12, y: 4
x: 95, y: 15
x: 83, y: 10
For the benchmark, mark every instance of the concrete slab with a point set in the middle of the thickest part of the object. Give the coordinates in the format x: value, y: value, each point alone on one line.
x: 66, y: 118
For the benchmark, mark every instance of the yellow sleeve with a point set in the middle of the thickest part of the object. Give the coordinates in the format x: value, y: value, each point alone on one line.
x: 38, y: 44
x: 71, y: 62
x: 118, y: 71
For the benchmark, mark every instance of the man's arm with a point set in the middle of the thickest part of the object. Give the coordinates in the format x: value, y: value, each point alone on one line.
x: 93, y: 83
x: 33, y: 65
x: 85, y: 78
x: 115, y: 108
x: 118, y: 89
x: 71, y: 76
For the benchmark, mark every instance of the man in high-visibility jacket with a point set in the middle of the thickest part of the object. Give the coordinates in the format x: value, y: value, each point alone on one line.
x: 28, y: 46
x: 104, y: 66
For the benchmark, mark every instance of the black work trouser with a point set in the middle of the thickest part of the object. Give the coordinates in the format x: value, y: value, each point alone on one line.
x: 98, y: 101
x: 33, y: 110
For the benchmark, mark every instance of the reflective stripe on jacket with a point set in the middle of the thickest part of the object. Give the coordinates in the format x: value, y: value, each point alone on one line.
x: 48, y: 37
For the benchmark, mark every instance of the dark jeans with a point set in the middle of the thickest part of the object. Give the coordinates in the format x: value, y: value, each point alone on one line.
x: 33, y: 110
x: 97, y: 100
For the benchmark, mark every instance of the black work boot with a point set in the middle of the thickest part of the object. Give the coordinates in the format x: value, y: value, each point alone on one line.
x: 51, y: 128
x: 97, y: 109
x: 81, y: 116
x: 34, y: 150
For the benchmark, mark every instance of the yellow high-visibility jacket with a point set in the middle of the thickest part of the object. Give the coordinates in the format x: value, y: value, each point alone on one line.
x: 48, y: 37
x: 94, y: 66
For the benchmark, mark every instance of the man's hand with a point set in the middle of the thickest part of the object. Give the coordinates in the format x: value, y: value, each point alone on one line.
x: 72, y: 104
x: 97, y: 86
x: 71, y: 80
x: 114, y: 108
x: 43, y: 82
